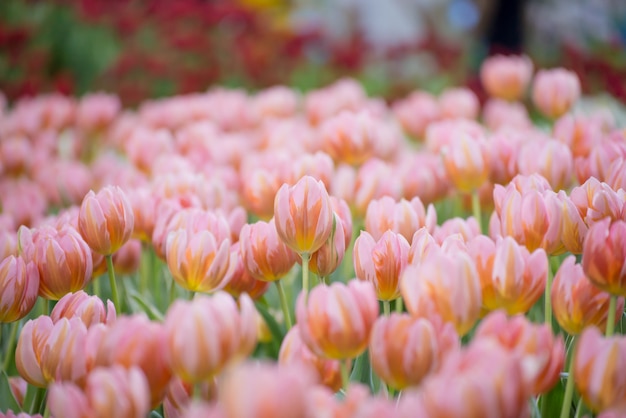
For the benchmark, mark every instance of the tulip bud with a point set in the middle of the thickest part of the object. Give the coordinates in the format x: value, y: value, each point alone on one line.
x: 19, y: 286
x: 30, y: 347
x: 555, y: 91
x: 506, y: 77
x: 106, y: 220
x: 604, y: 256
x: 90, y: 309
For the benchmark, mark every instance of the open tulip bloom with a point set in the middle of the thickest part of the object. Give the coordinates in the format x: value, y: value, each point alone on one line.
x: 267, y: 251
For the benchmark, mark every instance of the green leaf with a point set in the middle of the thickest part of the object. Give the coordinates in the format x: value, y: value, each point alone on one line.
x: 7, y: 401
x: 145, y: 306
x: 361, y: 369
x: 275, y: 329
x: 155, y: 414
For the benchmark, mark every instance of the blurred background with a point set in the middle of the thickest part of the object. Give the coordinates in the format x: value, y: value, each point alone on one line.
x: 152, y: 48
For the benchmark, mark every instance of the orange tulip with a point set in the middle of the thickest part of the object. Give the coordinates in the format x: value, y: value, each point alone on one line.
x: 404, y: 350
x: 381, y: 262
x: 335, y: 321
x: 294, y: 351
x: 198, y: 349
x: 577, y: 303
x: 19, y: 287
x: 106, y: 220
x: 241, y: 281
x: 604, y: 256
x: 445, y: 284
x: 466, y: 160
x: 303, y: 215
x: 263, y: 253
x: 599, y: 365
x: 541, y: 355
x: 329, y: 256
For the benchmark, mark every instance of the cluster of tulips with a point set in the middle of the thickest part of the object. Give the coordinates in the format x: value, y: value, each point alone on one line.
x: 154, y: 294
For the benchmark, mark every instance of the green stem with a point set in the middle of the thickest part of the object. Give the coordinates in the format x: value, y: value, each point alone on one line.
x: 579, y: 407
x: 323, y: 280
x: 46, y: 412
x: 172, y: 292
x: 399, y: 305
x: 610, y: 320
x: 111, y: 271
x: 386, y: 307
x: 476, y: 210
x: 345, y: 374
x: 33, y: 408
x: 9, y: 347
x: 305, y: 272
x: 144, y: 269
x: 283, y: 303
x: 547, y: 312
x: 45, y: 306
x: 96, y: 286
x: 569, y: 387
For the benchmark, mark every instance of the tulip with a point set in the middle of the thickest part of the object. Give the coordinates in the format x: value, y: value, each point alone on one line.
x: 483, y: 380
x: 381, y: 262
x: 555, y: 91
x: 373, y: 181
x: 110, y: 392
x: 241, y: 281
x: 416, y: 112
x: 259, y: 190
x: 335, y: 322
x: 268, y: 390
x: 541, y: 355
x: 179, y: 395
x: 551, y: 159
x: 329, y: 256
x: 90, y: 309
x: 30, y: 347
x: 137, y: 342
x: 294, y: 351
x: 198, y: 349
x: 198, y: 261
x: 19, y: 286
x: 64, y: 357
x: 106, y: 220
x: 445, y: 284
x: 144, y: 206
x: 506, y: 77
x: 517, y: 280
x: 303, y: 215
x: 500, y: 115
x: 403, y: 217
x: 263, y: 253
x: 404, y: 350
x: 599, y: 370
x: 350, y: 137
x: 577, y: 303
x: 459, y: 103
x: 604, y: 256
x: 596, y: 201
x: 466, y: 160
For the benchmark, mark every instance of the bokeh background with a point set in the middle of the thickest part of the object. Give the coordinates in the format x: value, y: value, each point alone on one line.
x: 153, y: 48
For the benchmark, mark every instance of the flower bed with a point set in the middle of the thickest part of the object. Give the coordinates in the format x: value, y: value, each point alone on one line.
x: 276, y: 254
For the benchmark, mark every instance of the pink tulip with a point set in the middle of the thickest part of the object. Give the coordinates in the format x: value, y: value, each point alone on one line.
x: 501, y: 115
x: 19, y: 287
x: 555, y: 91
x: 506, y: 77
x: 604, y: 256
x: 403, y: 217
x: 381, y: 262
x: 416, y: 112
x: 335, y: 321
x: 459, y: 103
x: 90, y: 309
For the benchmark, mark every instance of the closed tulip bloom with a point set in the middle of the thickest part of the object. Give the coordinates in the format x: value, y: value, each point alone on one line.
x: 126, y: 260
x: 596, y: 201
x: 303, y: 215
x: 179, y: 395
x: 444, y: 284
x: 19, y: 287
x: 241, y: 281
x: 422, y: 245
x: 342, y: 211
x: 106, y: 220
x: 109, y: 392
x: 381, y: 262
x: 335, y: 321
x: 90, y: 309
x: 263, y: 253
x: 198, y: 349
x: 518, y: 278
x: 329, y: 256
x: 599, y: 365
x: 500, y: 115
x: 198, y: 261
x: 577, y: 303
x: 63, y: 258
x: 574, y: 229
x: 30, y: 347
x: 459, y: 102
x: 416, y: 112
x: 294, y: 351
x: 403, y: 217
x: 259, y: 190
x: 551, y: 159
x: 64, y: 357
x: 404, y: 349
x: 466, y: 160
x: 136, y: 341
x: 506, y: 77
x: 268, y: 391
x: 350, y: 137
x: 483, y: 380
x: 555, y: 91
x: 542, y: 355
x: 144, y: 205
x: 604, y: 256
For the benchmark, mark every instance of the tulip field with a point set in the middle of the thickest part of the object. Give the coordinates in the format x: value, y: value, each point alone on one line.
x: 293, y: 254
